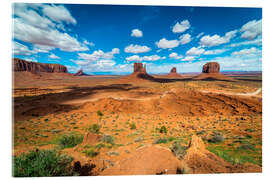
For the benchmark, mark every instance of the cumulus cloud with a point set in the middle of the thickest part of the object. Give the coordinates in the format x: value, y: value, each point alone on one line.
x: 42, y: 48
x: 88, y: 43
x: 195, y: 51
x: 98, y: 55
x: 215, y: 51
x: 246, y: 51
x: 144, y: 58
x: 53, y: 56
x: 216, y: 40
x: 58, y: 13
x: 136, y: 33
x: 137, y: 49
x: 167, y: 44
x: 251, y: 30
x: 175, y: 56
x: 257, y: 41
x: 185, y: 38
x: 181, y: 27
x: 188, y: 58
x: 39, y: 29
x: 20, y: 49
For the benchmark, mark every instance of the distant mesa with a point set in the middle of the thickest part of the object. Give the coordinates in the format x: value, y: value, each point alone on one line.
x: 173, y: 73
x: 35, y: 67
x: 139, y: 71
x: 211, y: 67
x: 211, y: 71
x: 80, y: 73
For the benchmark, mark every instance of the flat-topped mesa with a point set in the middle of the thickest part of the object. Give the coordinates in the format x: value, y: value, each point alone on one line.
x: 211, y: 67
x: 22, y: 65
x: 139, y: 67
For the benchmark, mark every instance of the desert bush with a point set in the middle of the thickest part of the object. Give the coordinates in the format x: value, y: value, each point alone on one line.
x: 90, y: 152
x: 94, y: 128
x: 99, y: 113
x: 132, y: 125
x: 69, y: 140
x: 163, y: 129
x: 216, y: 138
x: 107, y: 139
x: 178, y: 150
x: 161, y: 141
x: 42, y: 163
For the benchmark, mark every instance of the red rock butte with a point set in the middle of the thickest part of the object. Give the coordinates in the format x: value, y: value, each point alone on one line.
x: 173, y: 73
x: 211, y: 67
x: 80, y: 73
x: 139, y: 71
x: 35, y: 67
x: 211, y: 70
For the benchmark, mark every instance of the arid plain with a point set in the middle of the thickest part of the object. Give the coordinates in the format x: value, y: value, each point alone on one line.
x: 143, y: 124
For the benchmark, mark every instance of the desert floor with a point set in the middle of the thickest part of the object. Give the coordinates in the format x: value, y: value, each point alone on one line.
x: 132, y: 111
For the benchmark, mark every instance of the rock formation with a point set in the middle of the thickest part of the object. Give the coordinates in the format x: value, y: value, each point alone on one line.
x: 139, y: 67
x: 211, y: 71
x: 146, y: 160
x: 22, y: 65
x: 173, y: 73
x: 211, y: 67
x: 139, y: 71
x: 80, y: 73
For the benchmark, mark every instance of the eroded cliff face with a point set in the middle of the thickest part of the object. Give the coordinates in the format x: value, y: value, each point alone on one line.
x: 22, y: 65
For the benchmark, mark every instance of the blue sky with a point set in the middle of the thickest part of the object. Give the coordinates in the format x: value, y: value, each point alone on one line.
x: 108, y: 39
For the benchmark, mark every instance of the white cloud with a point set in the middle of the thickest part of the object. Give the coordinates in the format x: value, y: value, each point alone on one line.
x: 42, y: 48
x: 53, y: 56
x: 185, y: 38
x: 251, y: 30
x: 195, y: 51
x: 199, y: 35
x: 98, y: 55
x: 58, y: 13
x: 216, y: 40
x: 32, y: 27
x: 88, y: 43
x: 215, y: 51
x: 167, y: 44
x: 137, y: 49
x: 144, y: 58
x: 188, y: 58
x: 257, y: 41
x: 136, y: 33
x: 181, y: 27
x: 246, y: 51
x: 20, y: 49
x: 175, y: 56
x: 105, y: 63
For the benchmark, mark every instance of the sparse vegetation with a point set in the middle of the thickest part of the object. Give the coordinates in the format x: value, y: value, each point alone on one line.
x: 163, y: 129
x: 69, y: 140
x: 132, y: 125
x: 90, y: 152
x: 178, y: 149
x: 107, y: 139
x: 94, y: 128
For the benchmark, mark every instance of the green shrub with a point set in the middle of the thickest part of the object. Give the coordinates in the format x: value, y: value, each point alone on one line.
x: 107, y: 139
x: 216, y: 138
x: 90, y: 152
x: 69, y: 140
x: 94, y: 128
x: 99, y: 113
x: 161, y: 140
x: 132, y: 125
x: 163, y: 129
x: 42, y: 163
